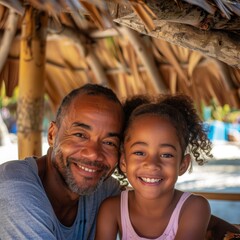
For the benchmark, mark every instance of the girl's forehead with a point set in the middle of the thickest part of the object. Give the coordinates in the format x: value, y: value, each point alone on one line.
x: 150, y: 118
x: 153, y: 130
x: 150, y: 124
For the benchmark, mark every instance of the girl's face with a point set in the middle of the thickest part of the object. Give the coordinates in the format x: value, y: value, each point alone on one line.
x: 152, y: 158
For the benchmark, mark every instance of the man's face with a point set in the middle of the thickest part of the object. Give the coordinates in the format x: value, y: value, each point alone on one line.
x: 86, y: 144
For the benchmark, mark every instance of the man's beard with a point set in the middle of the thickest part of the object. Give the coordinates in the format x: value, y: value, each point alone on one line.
x: 84, y: 189
x: 66, y: 172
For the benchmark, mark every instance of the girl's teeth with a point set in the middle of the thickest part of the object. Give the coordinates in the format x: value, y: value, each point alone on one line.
x: 151, y: 180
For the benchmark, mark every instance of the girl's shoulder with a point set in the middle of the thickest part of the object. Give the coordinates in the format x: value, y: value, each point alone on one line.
x: 194, y: 217
x: 198, y: 200
x: 196, y: 203
x: 111, y: 202
x: 191, y: 199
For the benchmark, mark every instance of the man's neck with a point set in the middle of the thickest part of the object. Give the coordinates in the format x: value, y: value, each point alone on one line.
x: 63, y: 201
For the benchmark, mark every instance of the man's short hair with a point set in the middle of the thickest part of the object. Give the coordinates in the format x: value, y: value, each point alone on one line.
x: 89, y: 89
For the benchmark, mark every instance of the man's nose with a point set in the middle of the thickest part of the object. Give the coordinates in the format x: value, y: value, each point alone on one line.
x: 92, y: 151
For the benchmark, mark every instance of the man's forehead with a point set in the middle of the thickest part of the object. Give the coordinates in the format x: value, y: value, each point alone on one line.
x: 93, y: 102
x: 91, y: 98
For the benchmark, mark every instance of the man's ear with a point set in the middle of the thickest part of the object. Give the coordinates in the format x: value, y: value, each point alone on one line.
x: 123, y: 163
x: 52, y: 130
x: 184, y: 164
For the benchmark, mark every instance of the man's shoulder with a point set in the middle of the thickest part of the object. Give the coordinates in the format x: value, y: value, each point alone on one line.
x: 18, y: 169
x: 110, y: 187
x: 111, y: 183
x: 19, y: 180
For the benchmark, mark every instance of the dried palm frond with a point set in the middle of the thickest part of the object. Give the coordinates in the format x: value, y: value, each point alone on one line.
x: 13, y: 4
x: 226, y: 7
x: 203, y: 4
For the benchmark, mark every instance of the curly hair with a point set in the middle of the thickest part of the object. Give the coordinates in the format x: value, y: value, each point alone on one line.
x: 180, y: 111
x: 195, y: 138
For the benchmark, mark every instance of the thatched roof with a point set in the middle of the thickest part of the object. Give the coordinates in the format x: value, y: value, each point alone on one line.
x: 176, y: 46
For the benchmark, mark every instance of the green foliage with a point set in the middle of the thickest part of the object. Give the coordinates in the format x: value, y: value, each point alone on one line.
x: 221, y: 113
x: 8, y: 101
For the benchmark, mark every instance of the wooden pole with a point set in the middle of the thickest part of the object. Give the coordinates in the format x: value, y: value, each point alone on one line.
x: 8, y: 36
x: 220, y: 196
x: 31, y: 83
x: 191, y: 28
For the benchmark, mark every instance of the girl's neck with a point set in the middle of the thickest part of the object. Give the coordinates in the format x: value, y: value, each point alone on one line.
x: 150, y: 217
x: 156, y: 206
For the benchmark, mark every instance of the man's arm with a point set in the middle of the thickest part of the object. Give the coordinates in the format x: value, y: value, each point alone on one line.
x: 217, y: 228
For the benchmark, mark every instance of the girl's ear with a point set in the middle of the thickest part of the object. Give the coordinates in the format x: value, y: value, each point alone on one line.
x: 184, y: 164
x: 123, y: 162
x: 52, y: 130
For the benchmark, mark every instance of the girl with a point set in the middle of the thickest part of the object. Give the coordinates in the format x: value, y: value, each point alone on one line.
x: 158, y: 140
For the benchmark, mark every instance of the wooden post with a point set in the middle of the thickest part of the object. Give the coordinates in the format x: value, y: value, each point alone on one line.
x: 8, y: 36
x: 31, y: 83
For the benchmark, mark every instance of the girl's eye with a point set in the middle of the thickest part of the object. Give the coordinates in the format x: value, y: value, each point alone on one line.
x: 166, y: 155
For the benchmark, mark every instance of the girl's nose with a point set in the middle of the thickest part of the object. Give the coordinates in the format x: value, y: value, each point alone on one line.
x: 152, y: 162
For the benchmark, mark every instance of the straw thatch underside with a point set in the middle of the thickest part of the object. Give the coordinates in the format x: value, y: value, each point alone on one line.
x: 131, y: 46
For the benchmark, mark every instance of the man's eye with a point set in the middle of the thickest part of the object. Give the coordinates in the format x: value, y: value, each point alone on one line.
x: 112, y: 144
x: 80, y: 135
x: 139, y: 153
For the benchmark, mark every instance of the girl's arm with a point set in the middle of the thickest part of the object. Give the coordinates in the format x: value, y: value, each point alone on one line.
x: 108, y: 219
x: 194, y: 219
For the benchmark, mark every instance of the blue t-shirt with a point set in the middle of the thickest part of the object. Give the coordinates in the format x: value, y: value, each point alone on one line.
x: 26, y: 213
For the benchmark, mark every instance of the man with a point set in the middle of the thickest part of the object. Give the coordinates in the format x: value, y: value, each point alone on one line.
x: 57, y: 196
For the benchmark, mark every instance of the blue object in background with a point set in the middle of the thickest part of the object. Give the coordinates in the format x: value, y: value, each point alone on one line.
x: 219, y: 131
x: 207, y: 113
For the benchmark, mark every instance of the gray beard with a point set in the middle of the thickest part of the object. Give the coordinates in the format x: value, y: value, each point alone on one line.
x: 70, y: 181
x: 67, y: 175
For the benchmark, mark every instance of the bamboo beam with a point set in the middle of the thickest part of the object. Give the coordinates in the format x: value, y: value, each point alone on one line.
x: 175, y: 25
x: 9, y: 33
x: 220, y: 196
x: 223, y: 46
x: 185, y: 13
x: 110, y: 32
x: 114, y: 70
x: 31, y: 83
x: 14, y: 5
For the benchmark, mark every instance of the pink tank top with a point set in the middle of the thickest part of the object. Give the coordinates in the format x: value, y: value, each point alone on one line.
x: 128, y: 232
